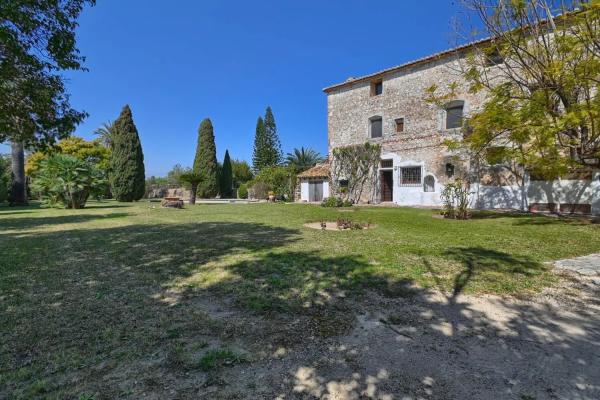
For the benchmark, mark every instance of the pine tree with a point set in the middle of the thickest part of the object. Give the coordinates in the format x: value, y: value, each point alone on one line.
x: 127, y: 176
x: 226, y: 177
x: 273, y: 138
x: 205, y: 162
x: 267, y: 148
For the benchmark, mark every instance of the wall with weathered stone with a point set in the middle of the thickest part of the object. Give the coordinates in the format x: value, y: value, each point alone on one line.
x: 404, y: 96
x: 350, y: 108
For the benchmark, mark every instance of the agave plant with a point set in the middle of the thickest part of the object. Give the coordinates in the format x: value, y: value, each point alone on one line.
x: 302, y: 159
x: 68, y: 180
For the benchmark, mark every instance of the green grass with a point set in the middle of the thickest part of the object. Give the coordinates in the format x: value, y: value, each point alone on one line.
x: 90, y: 292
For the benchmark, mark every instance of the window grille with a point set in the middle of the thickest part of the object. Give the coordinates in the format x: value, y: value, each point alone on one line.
x: 387, y: 163
x: 410, y: 176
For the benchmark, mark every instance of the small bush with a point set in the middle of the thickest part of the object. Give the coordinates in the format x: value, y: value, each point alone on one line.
x: 242, y: 191
x: 456, y: 200
x: 335, y: 202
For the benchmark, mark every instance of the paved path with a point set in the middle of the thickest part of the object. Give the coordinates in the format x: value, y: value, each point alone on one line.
x: 586, y: 265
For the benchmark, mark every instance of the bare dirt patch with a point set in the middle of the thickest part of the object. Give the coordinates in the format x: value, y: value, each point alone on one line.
x: 332, y: 226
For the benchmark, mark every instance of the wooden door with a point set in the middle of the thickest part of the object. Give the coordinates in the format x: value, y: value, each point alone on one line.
x: 315, y: 191
x: 387, y: 186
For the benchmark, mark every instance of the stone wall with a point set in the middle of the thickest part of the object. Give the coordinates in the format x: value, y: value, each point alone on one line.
x: 351, y: 106
x: 404, y: 92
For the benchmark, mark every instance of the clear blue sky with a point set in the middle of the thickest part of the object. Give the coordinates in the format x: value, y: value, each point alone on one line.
x: 177, y: 62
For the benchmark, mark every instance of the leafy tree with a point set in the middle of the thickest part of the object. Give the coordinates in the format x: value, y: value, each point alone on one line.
x: 303, y: 159
x: 205, y: 162
x: 193, y: 179
x: 540, y: 75
x: 242, y: 172
x: 267, y: 147
x: 91, y: 151
x: 105, y: 133
x: 68, y: 180
x: 37, y: 41
x: 127, y: 176
x: 226, y: 177
x: 174, y: 174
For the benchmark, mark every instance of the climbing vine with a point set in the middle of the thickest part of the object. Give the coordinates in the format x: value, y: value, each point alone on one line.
x: 356, y: 165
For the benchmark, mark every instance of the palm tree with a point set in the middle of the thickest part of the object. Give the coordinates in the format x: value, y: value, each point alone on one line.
x: 106, y: 132
x: 192, y: 179
x: 303, y: 159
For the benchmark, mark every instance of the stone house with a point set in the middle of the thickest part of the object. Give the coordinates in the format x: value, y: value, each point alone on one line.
x: 389, y: 107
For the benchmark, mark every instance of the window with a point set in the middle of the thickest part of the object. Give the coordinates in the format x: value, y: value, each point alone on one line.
x: 376, y: 128
x: 493, y: 57
x: 449, y: 170
x: 376, y: 88
x: 387, y: 163
x: 343, y: 183
x: 410, y: 176
x: 454, y: 114
x: 400, y: 125
x: 429, y: 184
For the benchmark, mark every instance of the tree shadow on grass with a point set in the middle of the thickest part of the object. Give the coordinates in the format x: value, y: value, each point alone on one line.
x: 130, y: 311
x: 20, y: 223
x: 477, y: 260
x: 526, y: 218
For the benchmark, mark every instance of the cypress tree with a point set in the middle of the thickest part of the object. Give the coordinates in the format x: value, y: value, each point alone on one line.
x: 226, y: 177
x: 127, y: 175
x: 205, y: 162
x: 275, y: 154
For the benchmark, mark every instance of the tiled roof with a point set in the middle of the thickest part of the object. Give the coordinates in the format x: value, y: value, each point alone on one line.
x: 318, y: 171
x: 412, y: 63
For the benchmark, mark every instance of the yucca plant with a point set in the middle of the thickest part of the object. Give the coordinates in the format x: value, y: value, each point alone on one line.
x: 67, y: 180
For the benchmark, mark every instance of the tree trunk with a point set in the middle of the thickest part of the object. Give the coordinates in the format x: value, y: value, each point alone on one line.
x: 18, y: 192
x: 193, y: 194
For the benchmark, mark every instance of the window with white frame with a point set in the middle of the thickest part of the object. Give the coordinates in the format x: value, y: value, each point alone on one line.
x: 410, y: 176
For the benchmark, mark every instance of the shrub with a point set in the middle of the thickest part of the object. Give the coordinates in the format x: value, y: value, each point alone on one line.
x: 68, y: 180
x: 259, y: 190
x: 242, y: 192
x: 456, y: 200
x: 280, y: 180
x: 335, y: 202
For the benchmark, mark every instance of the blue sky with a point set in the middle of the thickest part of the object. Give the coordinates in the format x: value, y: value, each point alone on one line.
x: 177, y: 62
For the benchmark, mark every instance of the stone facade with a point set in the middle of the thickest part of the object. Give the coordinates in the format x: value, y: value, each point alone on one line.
x: 353, y: 104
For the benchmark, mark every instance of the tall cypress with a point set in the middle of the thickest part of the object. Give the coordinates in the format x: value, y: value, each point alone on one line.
x: 226, y: 177
x: 205, y: 162
x: 275, y: 154
x: 127, y: 175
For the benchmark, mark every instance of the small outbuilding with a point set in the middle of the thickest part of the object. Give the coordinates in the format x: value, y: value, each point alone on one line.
x: 314, y: 183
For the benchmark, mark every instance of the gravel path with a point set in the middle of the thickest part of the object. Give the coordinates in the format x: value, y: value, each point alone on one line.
x: 586, y: 265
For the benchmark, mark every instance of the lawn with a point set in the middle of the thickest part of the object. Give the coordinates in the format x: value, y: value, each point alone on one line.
x: 89, y: 297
